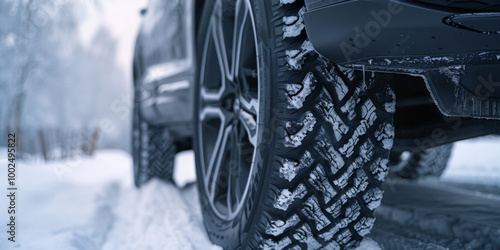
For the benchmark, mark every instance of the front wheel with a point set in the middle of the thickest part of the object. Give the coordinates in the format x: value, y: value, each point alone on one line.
x: 291, y: 150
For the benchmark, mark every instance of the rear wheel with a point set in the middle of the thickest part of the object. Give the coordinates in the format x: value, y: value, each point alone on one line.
x: 291, y: 150
x: 153, y: 150
x: 428, y: 163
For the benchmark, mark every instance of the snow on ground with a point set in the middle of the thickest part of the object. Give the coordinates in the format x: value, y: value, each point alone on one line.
x: 475, y: 161
x: 91, y: 203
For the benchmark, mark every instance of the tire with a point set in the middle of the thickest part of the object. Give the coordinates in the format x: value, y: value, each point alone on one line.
x: 429, y: 163
x: 291, y: 153
x: 153, y: 150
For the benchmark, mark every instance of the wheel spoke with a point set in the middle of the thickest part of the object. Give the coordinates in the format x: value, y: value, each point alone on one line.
x: 232, y: 168
x: 239, y: 29
x: 210, y: 97
x: 229, y: 187
x: 206, y: 114
x: 219, y: 40
x: 221, y: 147
x: 215, y: 112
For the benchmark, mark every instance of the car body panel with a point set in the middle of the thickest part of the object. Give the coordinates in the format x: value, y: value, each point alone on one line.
x: 165, y: 48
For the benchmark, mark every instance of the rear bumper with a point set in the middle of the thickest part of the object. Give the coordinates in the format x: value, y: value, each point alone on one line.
x: 454, y: 51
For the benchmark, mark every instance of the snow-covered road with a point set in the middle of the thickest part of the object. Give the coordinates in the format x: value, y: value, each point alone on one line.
x: 90, y: 203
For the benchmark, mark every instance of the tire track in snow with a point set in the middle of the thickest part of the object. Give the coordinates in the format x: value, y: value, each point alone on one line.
x: 102, y: 221
x: 157, y: 216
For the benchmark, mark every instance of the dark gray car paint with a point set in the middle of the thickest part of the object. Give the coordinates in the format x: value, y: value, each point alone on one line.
x: 404, y: 37
x: 165, y: 50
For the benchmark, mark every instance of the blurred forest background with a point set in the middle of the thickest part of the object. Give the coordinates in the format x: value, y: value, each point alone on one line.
x: 65, y: 78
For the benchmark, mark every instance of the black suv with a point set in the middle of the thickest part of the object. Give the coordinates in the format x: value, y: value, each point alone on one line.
x: 298, y: 110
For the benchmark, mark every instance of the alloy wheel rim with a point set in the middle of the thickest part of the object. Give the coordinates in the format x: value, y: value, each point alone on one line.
x: 229, y: 106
